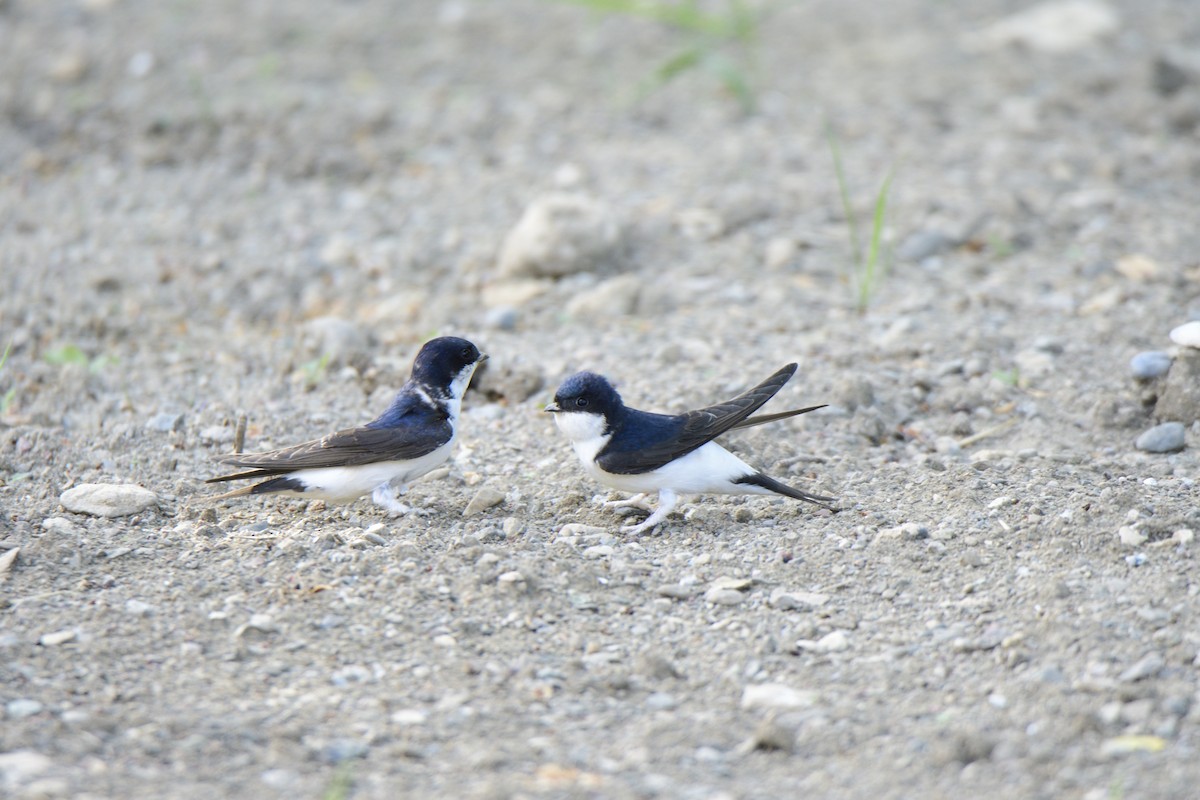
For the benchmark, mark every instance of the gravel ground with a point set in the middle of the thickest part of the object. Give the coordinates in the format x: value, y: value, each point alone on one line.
x: 216, y: 209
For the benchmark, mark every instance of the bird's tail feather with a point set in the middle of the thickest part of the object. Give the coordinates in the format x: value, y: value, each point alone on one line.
x: 763, y: 419
x: 281, y: 484
x: 772, y: 485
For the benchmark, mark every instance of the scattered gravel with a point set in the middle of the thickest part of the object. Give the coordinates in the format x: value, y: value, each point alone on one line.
x: 214, y: 215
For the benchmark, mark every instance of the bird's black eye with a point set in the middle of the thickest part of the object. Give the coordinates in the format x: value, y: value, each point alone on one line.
x: 466, y: 353
x: 581, y: 402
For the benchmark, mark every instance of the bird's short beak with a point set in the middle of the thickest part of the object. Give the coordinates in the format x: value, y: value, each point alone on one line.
x: 551, y: 407
x: 482, y: 358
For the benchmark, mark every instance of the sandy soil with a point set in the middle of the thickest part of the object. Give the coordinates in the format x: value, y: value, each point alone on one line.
x: 215, y: 209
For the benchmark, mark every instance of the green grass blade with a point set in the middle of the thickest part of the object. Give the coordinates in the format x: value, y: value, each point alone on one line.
x: 677, y: 64
x: 844, y: 192
x: 874, y: 265
x: 734, y: 81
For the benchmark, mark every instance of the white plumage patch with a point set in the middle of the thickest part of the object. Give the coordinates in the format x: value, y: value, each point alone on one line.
x: 342, y: 484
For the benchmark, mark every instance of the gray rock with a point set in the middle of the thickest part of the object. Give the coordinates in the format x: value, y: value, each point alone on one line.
x: 675, y: 591
x: 502, y: 318
x: 107, y: 500
x: 60, y: 526
x: 1149, y: 365
x: 560, y: 234
x: 1180, y: 397
x: 1149, y: 666
x: 920, y: 245
x: 1165, y: 438
x: 138, y: 608
x: 719, y: 596
x: 340, y: 750
x: 165, y: 422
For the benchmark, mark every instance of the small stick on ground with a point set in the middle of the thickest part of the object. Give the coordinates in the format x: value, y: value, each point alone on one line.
x: 985, y: 434
x: 239, y: 433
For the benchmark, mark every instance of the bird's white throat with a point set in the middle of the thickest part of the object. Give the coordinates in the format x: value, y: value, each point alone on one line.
x: 586, y: 432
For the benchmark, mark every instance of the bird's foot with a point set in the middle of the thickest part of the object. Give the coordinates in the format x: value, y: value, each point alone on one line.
x: 633, y: 505
x: 666, y: 504
x: 384, y: 496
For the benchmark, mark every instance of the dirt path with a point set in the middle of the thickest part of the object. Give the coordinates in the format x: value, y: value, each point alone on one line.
x: 209, y: 210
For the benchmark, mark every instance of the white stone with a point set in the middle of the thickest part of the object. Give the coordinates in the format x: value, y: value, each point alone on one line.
x: 1130, y: 536
x: 21, y: 766
x: 1058, y: 26
x: 1187, y: 334
x: 107, y: 500
x: 777, y: 697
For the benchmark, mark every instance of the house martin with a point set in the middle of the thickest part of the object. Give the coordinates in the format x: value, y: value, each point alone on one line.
x: 413, y: 436
x: 638, y: 451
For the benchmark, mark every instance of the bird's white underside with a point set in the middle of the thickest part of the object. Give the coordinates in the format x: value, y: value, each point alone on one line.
x: 709, y: 469
x: 342, y: 484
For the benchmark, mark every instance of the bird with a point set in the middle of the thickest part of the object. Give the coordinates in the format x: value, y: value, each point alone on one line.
x: 671, y: 454
x: 413, y: 436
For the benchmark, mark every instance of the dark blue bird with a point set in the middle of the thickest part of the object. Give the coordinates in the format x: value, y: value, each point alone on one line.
x: 413, y: 436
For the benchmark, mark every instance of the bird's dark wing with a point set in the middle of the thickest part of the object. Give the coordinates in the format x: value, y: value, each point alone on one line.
x: 646, y: 442
x: 348, y: 448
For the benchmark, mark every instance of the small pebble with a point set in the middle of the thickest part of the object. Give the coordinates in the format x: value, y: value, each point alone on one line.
x: 1165, y: 438
x: 675, y: 591
x: 59, y: 525
x: 56, y: 638
x: 1130, y: 536
x: 1149, y: 365
x: 1149, y: 666
x: 341, y: 750
x: 487, y: 497
x: 723, y: 597
x: 923, y: 244
x: 138, y: 608
x: 777, y: 697
x: 502, y: 318
x: 165, y: 422
x: 22, y: 707
x: 661, y: 701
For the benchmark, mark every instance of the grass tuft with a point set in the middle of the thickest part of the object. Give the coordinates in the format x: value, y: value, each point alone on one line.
x: 712, y: 36
x: 868, y: 261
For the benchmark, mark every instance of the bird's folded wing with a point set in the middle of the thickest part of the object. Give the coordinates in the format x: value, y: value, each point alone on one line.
x: 668, y: 438
x: 347, y: 448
